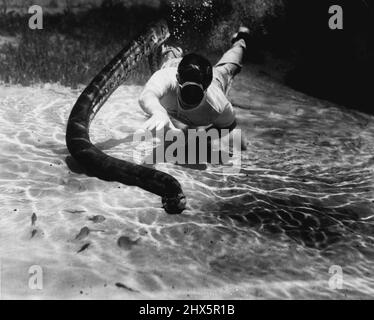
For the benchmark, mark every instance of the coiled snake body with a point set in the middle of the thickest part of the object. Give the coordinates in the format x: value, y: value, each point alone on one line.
x: 88, y: 105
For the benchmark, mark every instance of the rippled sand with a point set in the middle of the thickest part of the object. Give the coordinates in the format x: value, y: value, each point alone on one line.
x: 302, y: 203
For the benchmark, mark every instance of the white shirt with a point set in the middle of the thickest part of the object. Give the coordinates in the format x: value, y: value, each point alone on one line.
x: 215, y: 109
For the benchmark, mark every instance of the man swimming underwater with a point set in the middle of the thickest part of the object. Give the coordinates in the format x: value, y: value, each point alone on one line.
x: 188, y: 93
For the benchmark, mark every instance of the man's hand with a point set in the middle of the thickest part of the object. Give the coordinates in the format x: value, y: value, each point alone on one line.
x: 158, y: 121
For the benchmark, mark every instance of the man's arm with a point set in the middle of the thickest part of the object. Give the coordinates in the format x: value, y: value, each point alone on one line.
x: 149, y: 101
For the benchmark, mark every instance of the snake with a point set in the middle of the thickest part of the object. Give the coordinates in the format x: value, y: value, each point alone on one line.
x: 92, y: 159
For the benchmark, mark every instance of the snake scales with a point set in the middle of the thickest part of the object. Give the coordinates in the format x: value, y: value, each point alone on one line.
x: 88, y: 105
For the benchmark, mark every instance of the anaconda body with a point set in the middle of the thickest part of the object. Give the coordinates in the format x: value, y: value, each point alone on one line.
x: 88, y: 105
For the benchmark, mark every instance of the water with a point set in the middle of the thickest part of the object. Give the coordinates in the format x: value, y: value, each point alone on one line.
x: 303, y: 202
x: 189, y: 14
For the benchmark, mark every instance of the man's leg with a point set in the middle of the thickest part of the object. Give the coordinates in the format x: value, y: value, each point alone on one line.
x: 171, y: 56
x: 165, y: 56
x: 231, y: 62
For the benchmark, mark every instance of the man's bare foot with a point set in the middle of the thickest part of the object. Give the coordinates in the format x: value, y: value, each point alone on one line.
x: 243, y: 33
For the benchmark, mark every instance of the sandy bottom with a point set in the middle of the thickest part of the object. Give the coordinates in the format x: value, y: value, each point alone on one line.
x: 302, y: 202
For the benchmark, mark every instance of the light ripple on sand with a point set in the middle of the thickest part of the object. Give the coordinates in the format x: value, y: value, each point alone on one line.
x: 305, y: 156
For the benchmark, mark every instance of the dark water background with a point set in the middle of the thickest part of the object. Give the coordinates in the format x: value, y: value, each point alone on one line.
x: 290, y: 40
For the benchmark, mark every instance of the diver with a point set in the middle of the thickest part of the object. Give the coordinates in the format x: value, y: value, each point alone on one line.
x: 187, y: 92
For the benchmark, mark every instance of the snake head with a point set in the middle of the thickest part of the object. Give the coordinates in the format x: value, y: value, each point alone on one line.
x: 174, y: 203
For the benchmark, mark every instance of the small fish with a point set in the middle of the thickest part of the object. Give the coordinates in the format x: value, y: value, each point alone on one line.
x: 83, y: 233
x: 122, y: 286
x: 74, y: 211
x: 84, y: 247
x: 97, y: 219
x: 126, y: 243
x: 97, y: 230
x: 33, y: 233
x: 33, y: 219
